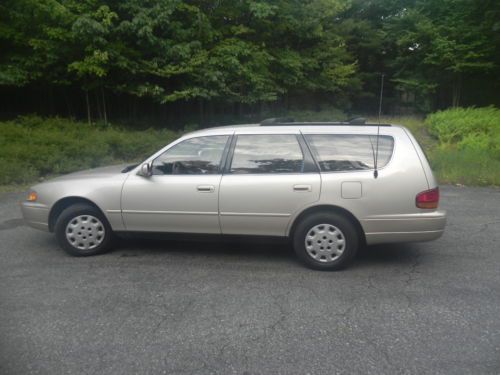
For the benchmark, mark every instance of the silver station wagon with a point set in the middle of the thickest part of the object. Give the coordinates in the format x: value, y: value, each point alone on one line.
x: 328, y: 187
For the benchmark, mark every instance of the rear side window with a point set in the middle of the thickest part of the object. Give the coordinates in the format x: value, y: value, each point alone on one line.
x: 267, y: 153
x: 349, y: 152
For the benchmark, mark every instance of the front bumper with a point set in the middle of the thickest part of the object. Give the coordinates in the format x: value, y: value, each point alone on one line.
x: 36, y: 215
x: 425, y: 226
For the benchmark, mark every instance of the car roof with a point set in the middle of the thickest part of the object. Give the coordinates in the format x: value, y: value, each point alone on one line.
x: 294, y: 127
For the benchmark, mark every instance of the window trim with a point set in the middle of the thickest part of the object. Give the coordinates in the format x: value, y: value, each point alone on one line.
x: 314, y: 167
x: 220, y: 167
x: 355, y: 170
x: 307, y: 158
x: 229, y: 156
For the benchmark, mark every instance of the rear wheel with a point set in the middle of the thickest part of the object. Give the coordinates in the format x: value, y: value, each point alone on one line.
x: 82, y: 230
x: 326, y: 241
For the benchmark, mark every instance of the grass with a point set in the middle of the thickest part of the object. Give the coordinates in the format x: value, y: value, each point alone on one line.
x: 463, y: 145
x: 468, y: 149
x: 32, y: 148
x: 465, y: 167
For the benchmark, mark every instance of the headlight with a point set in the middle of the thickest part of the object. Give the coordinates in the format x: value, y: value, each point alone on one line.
x: 32, y: 196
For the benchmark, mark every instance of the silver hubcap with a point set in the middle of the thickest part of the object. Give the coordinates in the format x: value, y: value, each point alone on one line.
x: 325, y: 243
x: 85, y: 232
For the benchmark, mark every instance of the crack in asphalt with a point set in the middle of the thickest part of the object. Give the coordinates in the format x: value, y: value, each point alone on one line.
x: 279, y: 322
x: 385, y: 355
x: 485, y: 226
x: 413, y: 268
x: 482, y: 226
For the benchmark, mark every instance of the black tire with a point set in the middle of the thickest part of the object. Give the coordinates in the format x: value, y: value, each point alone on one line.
x: 347, y: 229
x: 73, y: 212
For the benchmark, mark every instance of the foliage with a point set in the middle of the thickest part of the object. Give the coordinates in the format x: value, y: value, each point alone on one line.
x: 469, y: 145
x: 250, y: 52
x: 462, y: 144
x: 433, y: 49
x: 465, y: 166
x: 438, y: 42
x: 171, y: 50
x: 467, y: 128
x: 331, y: 114
x: 32, y: 147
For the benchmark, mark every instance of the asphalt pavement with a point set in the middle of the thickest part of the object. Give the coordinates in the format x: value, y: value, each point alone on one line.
x: 244, y: 307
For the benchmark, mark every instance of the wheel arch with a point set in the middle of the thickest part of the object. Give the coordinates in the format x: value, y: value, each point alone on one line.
x: 328, y: 208
x: 66, y: 202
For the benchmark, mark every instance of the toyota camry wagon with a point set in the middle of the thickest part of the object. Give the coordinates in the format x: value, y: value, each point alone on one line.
x: 328, y: 187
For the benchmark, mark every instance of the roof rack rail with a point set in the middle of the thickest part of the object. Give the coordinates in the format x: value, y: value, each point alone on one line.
x: 287, y: 121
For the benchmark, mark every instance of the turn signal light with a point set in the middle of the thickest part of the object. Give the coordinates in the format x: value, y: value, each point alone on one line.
x: 428, y: 199
x: 32, y: 197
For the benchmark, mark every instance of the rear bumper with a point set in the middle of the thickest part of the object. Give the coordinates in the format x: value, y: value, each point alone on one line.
x: 426, y: 226
x: 36, y: 215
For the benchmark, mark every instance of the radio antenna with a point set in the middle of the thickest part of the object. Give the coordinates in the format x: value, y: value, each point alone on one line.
x: 375, y: 169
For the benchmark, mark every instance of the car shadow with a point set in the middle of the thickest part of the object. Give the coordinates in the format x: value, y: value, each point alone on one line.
x: 250, y: 250
x: 395, y: 253
x: 259, y: 250
x: 212, y: 247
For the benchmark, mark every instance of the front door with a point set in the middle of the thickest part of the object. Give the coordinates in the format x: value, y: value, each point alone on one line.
x: 182, y: 194
x: 270, y: 177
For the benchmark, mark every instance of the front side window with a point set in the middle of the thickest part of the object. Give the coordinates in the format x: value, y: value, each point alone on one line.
x: 349, y: 152
x: 201, y: 155
x: 267, y: 153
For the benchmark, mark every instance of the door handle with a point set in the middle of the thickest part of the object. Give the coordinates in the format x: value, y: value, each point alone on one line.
x: 205, y: 188
x: 302, y: 188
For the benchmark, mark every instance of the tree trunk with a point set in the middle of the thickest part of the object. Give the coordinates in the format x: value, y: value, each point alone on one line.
x: 211, y: 111
x: 240, y: 110
x: 201, y: 112
x: 68, y: 104
x: 104, y: 106
x: 51, y: 101
x: 88, y: 106
x: 98, y: 105
x: 457, y: 90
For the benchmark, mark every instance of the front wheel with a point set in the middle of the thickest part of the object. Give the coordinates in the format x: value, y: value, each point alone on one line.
x: 326, y: 241
x: 81, y: 230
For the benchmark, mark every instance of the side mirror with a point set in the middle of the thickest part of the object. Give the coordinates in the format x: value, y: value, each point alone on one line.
x: 146, y: 170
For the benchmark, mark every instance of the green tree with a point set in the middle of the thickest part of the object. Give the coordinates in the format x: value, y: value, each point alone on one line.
x: 34, y: 40
x: 438, y: 42
x: 92, y: 38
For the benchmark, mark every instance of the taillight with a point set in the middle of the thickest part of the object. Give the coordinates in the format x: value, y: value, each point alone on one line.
x: 428, y: 199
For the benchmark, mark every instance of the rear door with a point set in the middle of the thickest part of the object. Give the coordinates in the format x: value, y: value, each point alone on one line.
x: 268, y: 178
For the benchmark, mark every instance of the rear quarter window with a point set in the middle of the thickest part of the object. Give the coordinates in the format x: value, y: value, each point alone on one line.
x: 349, y: 152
